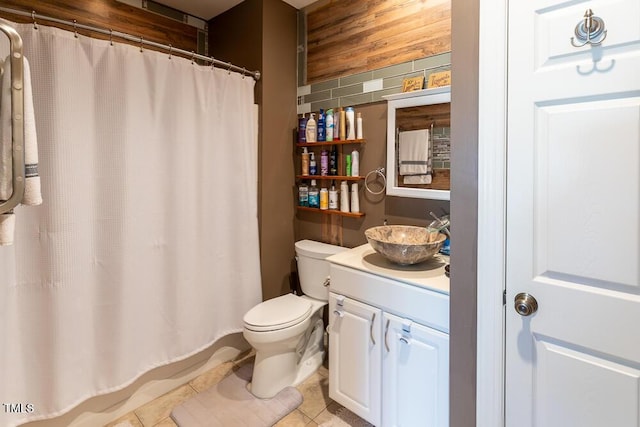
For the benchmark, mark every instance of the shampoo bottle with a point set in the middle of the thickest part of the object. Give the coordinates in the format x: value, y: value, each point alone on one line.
x: 333, y: 161
x: 305, y: 161
x: 313, y: 168
x: 336, y: 125
x: 359, y: 131
x: 311, y: 128
x: 329, y: 125
x: 344, y: 196
x: 324, y: 163
x: 351, y: 123
x: 348, y: 161
x: 355, y: 202
x: 343, y: 125
x: 314, y: 195
x: 302, y: 129
x: 321, y: 126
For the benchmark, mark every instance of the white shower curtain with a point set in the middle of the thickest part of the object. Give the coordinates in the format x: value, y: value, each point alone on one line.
x: 145, y: 249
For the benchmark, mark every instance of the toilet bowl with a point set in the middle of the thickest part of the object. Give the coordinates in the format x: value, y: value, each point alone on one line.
x: 287, y: 332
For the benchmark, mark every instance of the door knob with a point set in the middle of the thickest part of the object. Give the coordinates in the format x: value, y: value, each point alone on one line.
x: 525, y: 304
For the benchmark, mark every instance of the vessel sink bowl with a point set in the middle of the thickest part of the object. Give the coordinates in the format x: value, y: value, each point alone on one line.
x: 404, y: 244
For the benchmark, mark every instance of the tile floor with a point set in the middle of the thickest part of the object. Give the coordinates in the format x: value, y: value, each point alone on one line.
x: 317, y: 408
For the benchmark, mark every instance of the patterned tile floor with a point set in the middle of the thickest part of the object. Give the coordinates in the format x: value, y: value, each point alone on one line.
x: 316, y: 409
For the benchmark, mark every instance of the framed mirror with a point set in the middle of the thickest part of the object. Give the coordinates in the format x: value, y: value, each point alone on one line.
x: 418, y: 144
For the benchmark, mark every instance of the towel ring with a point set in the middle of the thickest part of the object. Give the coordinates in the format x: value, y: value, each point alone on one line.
x: 379, y: 171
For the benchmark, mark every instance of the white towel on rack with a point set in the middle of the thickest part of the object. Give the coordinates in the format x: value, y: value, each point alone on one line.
x: 413, y: 152
x: 32, y: 193
x: 417, y: 179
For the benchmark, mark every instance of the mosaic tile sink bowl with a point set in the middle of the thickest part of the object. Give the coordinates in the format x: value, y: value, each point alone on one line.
x: 404, y: 244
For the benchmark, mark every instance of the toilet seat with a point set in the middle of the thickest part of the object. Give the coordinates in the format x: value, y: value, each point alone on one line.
x: 277, y: 313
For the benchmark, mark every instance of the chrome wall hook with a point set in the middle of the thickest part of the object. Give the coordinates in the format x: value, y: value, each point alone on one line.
x: 589, y: 31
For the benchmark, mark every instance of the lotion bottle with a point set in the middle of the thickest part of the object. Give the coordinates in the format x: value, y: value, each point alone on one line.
x: 311, y: 128
x: 321, y: 126
x: 359, y: 126
x: 324, y: 199
x: 324, y: 163
x: 333, y: 197
x: 343, y: 125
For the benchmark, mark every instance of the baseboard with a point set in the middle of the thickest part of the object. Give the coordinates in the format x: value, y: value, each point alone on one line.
x: 102, y: 410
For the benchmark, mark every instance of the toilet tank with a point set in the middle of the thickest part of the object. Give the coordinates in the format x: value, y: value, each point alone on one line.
x: 313, y: 268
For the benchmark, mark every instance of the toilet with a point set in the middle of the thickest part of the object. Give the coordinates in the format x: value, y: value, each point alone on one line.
x: 287, y: 332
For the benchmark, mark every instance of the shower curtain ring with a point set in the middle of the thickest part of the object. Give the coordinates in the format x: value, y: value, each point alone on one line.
x: 141, y: 43
x: 170, y: 50
x: 33, y: 17
x: 111, y: 37
x: 193, y: 55
x: 229, y: 69
x: 212, y: 63
x: 75, y: 28
x: 244, y: 72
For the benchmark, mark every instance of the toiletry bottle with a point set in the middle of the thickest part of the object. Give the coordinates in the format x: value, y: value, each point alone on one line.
x: 303, y: 195
x: 322, y: 135
x: 333, y: 161
x: 336, y: 125
x: 324, y: 163
x: 314, y: 195
x: 311, y: 128
x: 305, y: 161
x: 351, y: 123
x: 355, y: 163
x: 302, y: 129
x: 344, y: 196
x: 313, y: 168
x: 333, y: 197
x: 329, y: 125
x: 359, y: 131
x: 343, y: 125
x: 348, y: 161
x: 324, y: 199
x: 355, y: 202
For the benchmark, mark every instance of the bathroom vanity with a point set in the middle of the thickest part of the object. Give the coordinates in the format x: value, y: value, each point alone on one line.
x: 389, y: 338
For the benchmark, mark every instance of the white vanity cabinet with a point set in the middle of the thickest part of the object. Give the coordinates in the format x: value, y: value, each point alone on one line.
x: 388, y: 339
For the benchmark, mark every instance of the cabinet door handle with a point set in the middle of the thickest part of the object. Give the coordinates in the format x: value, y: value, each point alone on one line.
x: 386, y: 333
x: 373, y: 318
x: 338, y: 313
x: 405, y: 340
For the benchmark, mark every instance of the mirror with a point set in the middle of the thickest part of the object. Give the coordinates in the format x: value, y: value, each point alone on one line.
x: 418, y: 144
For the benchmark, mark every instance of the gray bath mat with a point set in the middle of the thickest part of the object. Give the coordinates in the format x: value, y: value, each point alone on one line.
x: 229, y: 403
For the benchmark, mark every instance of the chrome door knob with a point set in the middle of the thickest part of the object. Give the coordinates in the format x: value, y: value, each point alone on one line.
x: 525, y: 304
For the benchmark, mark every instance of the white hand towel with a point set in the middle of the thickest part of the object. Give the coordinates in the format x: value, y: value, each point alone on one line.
x: 5, y: 136
x: 32, y: 193
x: 417, y: 179
x: 413, y: 152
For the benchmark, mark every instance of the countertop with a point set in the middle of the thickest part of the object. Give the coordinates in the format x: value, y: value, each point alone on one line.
x: 429, y: 274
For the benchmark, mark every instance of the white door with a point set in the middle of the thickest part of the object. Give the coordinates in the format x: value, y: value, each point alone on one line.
x: 573, y: 216
x: 355, y: 367
x: 415, y: 374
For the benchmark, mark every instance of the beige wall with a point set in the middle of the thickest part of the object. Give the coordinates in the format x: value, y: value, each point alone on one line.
x: 262, y: 35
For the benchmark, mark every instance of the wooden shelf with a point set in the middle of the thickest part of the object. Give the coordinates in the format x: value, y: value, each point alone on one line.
x: 331, y: 212
x: 331, y: 177
x: 334, y: 142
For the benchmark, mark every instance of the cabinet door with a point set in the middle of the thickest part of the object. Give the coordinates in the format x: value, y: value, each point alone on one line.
x: 415, y: 379
x: 355, y: 356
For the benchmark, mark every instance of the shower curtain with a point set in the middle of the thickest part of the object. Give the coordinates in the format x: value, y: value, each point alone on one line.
x: 145, y: 250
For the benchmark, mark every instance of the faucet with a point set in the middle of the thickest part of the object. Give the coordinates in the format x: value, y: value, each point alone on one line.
x: 441, y: 224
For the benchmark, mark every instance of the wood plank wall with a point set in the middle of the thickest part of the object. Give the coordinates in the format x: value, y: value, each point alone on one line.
x: 351, y: 36
x: 109, y: 14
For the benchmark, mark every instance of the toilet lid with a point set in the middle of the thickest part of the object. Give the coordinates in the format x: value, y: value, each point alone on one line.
x: 277, y: 313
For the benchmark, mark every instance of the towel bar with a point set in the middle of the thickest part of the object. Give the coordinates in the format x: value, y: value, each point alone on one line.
x: 17, y: 120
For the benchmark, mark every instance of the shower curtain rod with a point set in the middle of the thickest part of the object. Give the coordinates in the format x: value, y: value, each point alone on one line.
x: 129, y: 37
